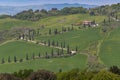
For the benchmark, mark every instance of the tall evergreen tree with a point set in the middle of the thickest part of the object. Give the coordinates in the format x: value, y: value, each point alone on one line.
x: 39, y: 55
x: 57, y: 44
x: 46, y: 55
x: 33, y: 56
x: 68, y: 49
x: 50, y: 31
x: 9, y: 59
x: 27, y: 58
x: 104, y: 21
x: 53, y: 43
x: 64, y: 44
x: 48, y: 42
x: 58, y: 53
x: 15, y: 59
x: 3, y: 61
x: 52, y: 53
x: 76, y: 48
x: 61, y: 45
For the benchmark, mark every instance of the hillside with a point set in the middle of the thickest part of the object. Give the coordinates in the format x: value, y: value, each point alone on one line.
x: 30, y: 44
x: 11, y: 28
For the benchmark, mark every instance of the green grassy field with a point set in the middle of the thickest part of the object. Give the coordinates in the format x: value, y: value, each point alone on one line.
x: 20, y: 49
x: 8, y: 23
x: 77, y: 61
x: 80, y: 38
x: 110, y: 49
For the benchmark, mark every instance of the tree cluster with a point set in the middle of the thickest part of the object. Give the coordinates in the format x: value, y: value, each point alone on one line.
x: 74, y: 74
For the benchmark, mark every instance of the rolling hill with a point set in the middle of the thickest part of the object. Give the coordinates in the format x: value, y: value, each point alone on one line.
x: 87, y: 40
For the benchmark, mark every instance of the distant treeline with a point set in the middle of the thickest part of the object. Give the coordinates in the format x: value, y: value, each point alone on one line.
x: 39, y: 14
x: 109, y: 10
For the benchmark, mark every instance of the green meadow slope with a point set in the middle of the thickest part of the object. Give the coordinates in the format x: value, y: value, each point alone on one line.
x: 50, y: 22
x: 110, y: 49
x: 85, y: 39
x: 21, y: 48
x: 76, y: 38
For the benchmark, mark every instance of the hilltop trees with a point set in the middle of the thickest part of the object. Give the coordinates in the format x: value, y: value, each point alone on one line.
x: 39, y: 14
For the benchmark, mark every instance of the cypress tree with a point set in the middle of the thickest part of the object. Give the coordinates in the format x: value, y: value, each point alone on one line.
x: 62, y: 52
x: 50, y: 32
x: 57, y: 44
x: 53, y: 43
x: 46, y: 55
x: 27, y: 58
x: 61, y: 45
x: 58, y: 52
x: 48, y: 42
x: 116, y: 17
x: 64, y: 44
x: 68, y: 50
x: 52, y: 53
x: 3, y: 61
x: 39, y: 55
x: 76, y: 48
x: 9, y: 59
x: 104, y: 21
x: 15, y: 59
x: 33, y: 56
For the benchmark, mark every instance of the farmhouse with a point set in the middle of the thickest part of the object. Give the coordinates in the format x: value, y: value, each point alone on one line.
x: 89, y: 23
